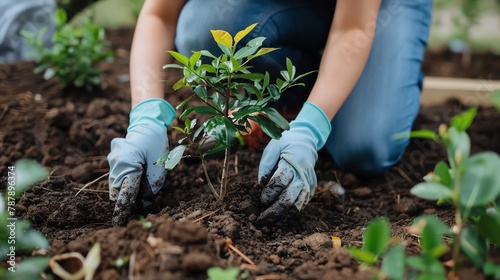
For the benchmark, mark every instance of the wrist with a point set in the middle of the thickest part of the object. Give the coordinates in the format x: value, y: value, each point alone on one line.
x: 312, y: 117
x: 155, y: 110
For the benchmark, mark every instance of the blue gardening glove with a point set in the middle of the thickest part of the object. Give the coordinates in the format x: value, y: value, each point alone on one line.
x: 287, y: 165
x: 134, y: 179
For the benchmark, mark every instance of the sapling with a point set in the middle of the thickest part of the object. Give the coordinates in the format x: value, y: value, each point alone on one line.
x: 232, y: 96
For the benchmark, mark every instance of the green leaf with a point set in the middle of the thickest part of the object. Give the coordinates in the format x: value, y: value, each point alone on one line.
x: 363, y: 256
x: 376, y: 236
x: 31, y: 268
x: 267, y: 126
x: 216, y: 127
x: 474, y: 246
x: 241, y: 34
x: 179, y: 57
x: 277, y: 118
x: 172, y: 65
x: 186, y: 112
x: 208, y: 54
x: 28, y: 238
x: 432, y: 191
x: 179, y: 84
x: 27, y: 173
x: 206, y: 110
x: 428, y: 265
x: 491, y: 269
x: 290, y: 68
x: 247, y: 110
x: 459, y: 142
x: 174, y: 157
x: 245, y: 52
x: 431, y: 236
x: 183, y: 103
x: 274, y: 92
x: 217, y: 273
x: 393, y: 264
x: 249, y: 76
x: 425, y: 134
x: 489, y: 226
x: 256, y: 42
x: 481, y: 180
x: 464, y: 120
x: 442, y: 171
x: 251, y: 89
x: 201, y: 92
x: 194, y: 59
x: 262, y: 52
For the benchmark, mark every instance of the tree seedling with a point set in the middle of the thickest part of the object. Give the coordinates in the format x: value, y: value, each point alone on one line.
x: 232, y: 96
x: 74, y: 53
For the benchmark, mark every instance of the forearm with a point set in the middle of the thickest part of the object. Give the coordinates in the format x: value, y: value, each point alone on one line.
x: 345, y: 55
x: 154, y: 35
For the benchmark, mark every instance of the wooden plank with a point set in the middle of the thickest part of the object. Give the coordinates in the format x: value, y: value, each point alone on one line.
x: 471, y: 92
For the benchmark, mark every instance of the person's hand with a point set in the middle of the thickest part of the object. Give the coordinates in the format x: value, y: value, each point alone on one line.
x: 134, y: 179
x: 287, y: 165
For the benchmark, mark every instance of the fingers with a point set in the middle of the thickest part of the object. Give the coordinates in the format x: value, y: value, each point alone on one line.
x: 285, y: 205
x: 279, y: 181
x: 126, y: 200
x: 268, y: 161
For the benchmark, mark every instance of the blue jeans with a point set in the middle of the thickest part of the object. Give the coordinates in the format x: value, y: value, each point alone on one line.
x: 386, y: 98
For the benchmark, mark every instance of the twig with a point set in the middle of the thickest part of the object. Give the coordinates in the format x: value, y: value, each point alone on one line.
x: 204, y: 216
x: 131, y: 266
x: 88, y: 184
x: 5, y: 109
x: 406, y: 177
x: 236, y: 160
x: 230, y: 246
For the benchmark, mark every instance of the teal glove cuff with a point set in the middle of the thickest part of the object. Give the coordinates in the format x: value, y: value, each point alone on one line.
x: 312, y: 117
x: 156, y: 110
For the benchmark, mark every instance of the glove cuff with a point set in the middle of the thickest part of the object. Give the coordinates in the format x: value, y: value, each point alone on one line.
x: 156, y: 110
x: 316, y: 120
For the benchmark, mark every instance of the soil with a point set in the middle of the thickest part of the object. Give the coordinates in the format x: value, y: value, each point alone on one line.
x: 70, y: 132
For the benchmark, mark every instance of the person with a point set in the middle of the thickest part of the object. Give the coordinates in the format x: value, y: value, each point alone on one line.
x: 367, y: 89
x: 29, y: 15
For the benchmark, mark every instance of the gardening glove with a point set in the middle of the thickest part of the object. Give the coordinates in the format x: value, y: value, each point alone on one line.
x: 287, y: 165
x: 134, y: 179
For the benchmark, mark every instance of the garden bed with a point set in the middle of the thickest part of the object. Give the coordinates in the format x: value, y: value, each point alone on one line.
x: 70, y: 132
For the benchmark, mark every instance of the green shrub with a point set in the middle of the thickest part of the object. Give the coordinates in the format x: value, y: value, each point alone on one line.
x: 74, y: 54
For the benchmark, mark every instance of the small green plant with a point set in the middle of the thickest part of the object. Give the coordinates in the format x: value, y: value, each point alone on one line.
x: 471, y: 184
x: 74, y: 54
x: 232, y: 96
x: 16, y: 235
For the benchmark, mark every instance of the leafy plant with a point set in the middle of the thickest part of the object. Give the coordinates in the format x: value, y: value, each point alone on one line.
x: 472, y: 185
x: 232, y: 96
x: 396, y: 264
x: 74, y: 54
x: 16, y: 235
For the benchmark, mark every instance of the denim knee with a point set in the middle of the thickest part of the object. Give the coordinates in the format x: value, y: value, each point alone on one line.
x: 368, y: 155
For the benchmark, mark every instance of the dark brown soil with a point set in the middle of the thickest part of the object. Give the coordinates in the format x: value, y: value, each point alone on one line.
x: 70, y: 132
